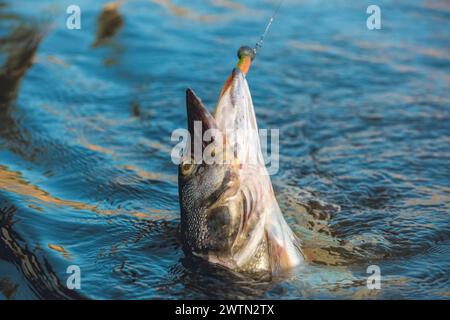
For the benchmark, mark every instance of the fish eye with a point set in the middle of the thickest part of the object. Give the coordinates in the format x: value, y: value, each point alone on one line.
x: 187, y: 168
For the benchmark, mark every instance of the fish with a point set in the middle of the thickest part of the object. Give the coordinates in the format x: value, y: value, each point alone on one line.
x: 229, y: 213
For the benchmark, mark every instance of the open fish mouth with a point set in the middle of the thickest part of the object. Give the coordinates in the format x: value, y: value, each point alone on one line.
x: 229, y: 213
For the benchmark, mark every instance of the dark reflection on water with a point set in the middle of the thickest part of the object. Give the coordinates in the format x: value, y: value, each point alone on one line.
x: 39, y: 274
x: 86, y: 118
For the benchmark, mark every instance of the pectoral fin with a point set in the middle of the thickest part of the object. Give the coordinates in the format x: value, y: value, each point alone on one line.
x: 283, y: 244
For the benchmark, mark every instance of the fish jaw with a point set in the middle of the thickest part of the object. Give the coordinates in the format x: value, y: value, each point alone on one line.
x: 235, y: 117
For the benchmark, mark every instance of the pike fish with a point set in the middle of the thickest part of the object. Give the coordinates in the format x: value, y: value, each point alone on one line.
x: 229, y: 213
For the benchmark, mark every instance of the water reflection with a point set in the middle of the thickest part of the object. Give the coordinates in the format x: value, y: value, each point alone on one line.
x: 20, y: 48
x: 108, y: 24
x: 37, y: 271
x: 185, y: 12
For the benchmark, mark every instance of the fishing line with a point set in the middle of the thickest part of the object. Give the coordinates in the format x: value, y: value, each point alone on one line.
x: 269, y: 24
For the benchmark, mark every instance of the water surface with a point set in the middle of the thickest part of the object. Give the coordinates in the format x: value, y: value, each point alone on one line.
x: 86, y: 118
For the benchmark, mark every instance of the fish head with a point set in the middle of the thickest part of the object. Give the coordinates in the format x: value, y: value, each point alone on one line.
x: 229, y: 214
x: 212, y: 206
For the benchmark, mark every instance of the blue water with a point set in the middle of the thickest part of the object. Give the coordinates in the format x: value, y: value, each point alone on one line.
x: 86, y: 118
